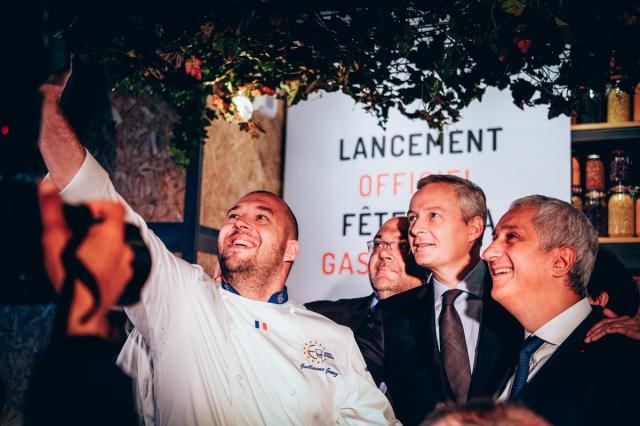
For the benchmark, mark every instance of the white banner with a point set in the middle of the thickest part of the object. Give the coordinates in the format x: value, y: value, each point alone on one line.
x: 344, y: 176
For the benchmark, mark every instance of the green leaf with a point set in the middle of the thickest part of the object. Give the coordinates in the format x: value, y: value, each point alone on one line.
x: 560, y: 23
x: 513, y: 7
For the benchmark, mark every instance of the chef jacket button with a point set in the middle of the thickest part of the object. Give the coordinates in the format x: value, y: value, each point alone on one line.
x: 292, y: 310
x: 239, y: 378
x: 292, y: 392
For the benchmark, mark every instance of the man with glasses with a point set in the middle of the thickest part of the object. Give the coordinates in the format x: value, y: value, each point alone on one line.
x: 392, y: 270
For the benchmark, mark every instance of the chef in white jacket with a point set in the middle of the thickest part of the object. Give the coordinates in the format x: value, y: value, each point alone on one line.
x: 235, y: 351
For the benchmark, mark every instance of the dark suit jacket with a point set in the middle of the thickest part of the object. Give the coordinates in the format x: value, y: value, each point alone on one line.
x: 413, y: 364
x: 588, y: 384
x: 353, y: 313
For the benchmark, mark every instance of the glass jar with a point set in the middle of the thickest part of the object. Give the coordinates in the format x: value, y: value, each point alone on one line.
x: 594, y: 173
x: 590, y: 107
x: 635, y: 193
x: 595, y: 208
x: 575, y: 171
x: 636, y: 103
x: 621, y: 212
x: 576, y: 197
x: 619, y: 168
x: 618, y: 103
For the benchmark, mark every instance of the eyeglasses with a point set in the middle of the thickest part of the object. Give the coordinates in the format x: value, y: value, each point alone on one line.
x: 378, y: 244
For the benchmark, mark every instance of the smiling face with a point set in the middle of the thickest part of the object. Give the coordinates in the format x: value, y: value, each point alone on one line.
x: 439, y: 236
x: 388, y: 265
x: 256, y: 237
x: 522, y: 271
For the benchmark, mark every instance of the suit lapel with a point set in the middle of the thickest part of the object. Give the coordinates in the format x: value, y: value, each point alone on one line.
x: 499, y: 340
x: 562, y: 360
x: 358, y: 312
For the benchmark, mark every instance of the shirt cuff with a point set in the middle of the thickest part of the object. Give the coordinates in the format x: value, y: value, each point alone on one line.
x: 88, y: 183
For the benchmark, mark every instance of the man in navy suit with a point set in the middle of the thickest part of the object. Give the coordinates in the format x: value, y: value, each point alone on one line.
x: 540, y: 261
x: 392, y: 270
x: 446, y: 340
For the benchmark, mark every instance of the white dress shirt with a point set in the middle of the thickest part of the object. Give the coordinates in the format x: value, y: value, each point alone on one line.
x: 220, y: 358
x: 468, y: 305
x: 554, y: 333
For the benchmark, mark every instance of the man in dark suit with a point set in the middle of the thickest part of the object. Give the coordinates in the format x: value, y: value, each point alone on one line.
x: 540, y: 261
x: 391, y: 271
x: 447, y: 340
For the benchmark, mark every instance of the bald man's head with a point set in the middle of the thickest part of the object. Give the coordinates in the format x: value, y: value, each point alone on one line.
x: 392, y: 269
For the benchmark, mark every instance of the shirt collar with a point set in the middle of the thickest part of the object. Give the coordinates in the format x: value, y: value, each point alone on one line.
x: 472, y: 283
x: 562, y: 325
x: 374, y: 302
x: 278, y: 298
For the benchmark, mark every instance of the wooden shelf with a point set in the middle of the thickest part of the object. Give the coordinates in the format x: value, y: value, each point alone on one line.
x: 590, y: 132
x: 612, y: 240
x: 602, y: 126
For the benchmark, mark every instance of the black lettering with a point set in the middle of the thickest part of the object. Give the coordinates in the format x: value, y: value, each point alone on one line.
x: 413, y: 144
x: 381, y: 216
x: 489, y: 223
x: 360, y: 149
x: 494, y: 131
x: 472, y: 138
x: 345, y: 224
x: 435, y: 142
x: 393, y: 146
x: 362, y: 223
x: 453, y: 141
x: 380, y: 147
x: 342, y: 157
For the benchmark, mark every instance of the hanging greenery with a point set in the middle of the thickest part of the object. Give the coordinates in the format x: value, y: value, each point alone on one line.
x: 211, y: 63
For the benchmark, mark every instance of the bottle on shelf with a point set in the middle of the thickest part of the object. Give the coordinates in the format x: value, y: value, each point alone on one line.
x: 621, y: 212
x: 595, y: 208
x: 635, y: 193
x: 617, y: 94
x: 594, y: 173
x: 636, y: 103
x: 619, y: 168
x: 590, y: 105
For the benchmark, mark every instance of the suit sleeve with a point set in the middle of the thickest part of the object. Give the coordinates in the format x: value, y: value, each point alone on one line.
x: 170, y: 278
x: 361, y: 402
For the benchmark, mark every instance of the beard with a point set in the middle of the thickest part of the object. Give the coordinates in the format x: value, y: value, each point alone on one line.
x: 257, y: 269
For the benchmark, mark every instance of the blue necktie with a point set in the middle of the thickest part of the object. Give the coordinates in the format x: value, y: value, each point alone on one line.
x: 530, y: 345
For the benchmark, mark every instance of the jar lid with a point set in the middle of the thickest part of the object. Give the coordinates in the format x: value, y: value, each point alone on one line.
x: 594, y: 193
x: 620, y: 188
x: 593, y: 157
x: 617, y: 152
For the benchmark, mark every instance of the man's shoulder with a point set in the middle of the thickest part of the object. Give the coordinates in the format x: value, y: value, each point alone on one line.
x: 321, y: 324
x: 325, y: 306
x: 407, y: 299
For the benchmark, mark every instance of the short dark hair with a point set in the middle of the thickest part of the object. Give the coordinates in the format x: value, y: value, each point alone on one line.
x: 484, y: 412
x: 471, y: 198
x: 611, y: 276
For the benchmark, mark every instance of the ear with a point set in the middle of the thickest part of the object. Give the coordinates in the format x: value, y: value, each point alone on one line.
x: 564, y: 258
x: 291, y: 250
x: 601, y: 300
x: 476, y: 228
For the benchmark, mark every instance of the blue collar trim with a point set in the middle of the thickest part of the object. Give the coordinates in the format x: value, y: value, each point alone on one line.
x: 277, y: 298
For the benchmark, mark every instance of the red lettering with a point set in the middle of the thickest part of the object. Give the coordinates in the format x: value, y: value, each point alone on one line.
x: 363, y: 260
x: 396, y: 183
x: 346, y: 264
x: 380, y: 184
x: 363, y: 179
x: 328, y: 268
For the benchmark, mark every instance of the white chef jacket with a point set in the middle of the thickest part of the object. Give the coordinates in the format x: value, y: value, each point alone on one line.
x: 220, y: 358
